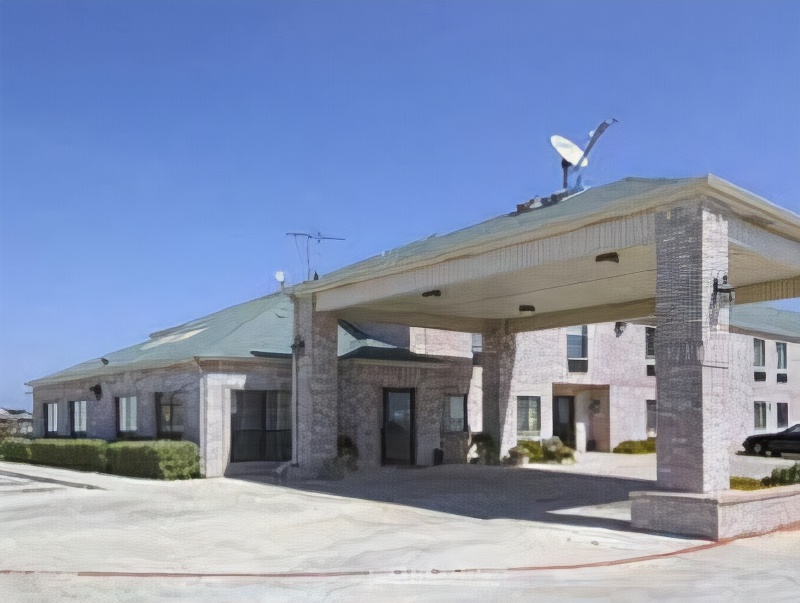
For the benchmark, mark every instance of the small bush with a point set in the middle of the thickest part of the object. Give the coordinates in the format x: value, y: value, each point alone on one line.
x: 159, y: 459
x: 16, y: 449
x: 347, y: 451
x: 82, y: 455
x: 555, y: 450
x: 647, y: 446
x: 532, y: 449
x: 746, y: 483
x: 485, y: 449
x: 783, y: 477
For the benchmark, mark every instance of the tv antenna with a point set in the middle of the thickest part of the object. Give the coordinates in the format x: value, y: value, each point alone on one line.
x: 571, y: 154
x: 309, y: 236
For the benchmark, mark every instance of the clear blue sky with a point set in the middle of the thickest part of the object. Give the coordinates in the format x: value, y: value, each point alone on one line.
x: 154, y: 154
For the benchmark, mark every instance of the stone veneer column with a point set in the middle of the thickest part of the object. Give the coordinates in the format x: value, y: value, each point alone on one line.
x: 499, y: 351
x: 692, y: 346
x: 317, y: 386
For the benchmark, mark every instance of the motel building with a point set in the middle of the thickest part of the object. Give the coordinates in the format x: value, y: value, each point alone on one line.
x: 621, y: 312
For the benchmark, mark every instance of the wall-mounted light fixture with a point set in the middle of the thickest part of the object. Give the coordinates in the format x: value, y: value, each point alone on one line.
x: 432, y: 293
x: 527, y: 308
x: 607, y: 257
x: 97, y: 391
x: 299, y: 345
x: 724, y: 293
x: 619, y: 327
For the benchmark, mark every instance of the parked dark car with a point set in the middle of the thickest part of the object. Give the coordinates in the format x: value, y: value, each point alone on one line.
x: 774, y: 444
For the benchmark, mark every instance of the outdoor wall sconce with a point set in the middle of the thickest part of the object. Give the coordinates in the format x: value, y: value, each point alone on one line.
x: 619, y: 327
x: 723, y: 291
x: 97, y: 391
x: 432, y: 293
x: 527, y: 308
x: 299, y: 345
x: 608, y: 257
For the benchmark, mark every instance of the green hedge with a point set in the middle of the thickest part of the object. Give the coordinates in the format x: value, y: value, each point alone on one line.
x: 83, y: 455
x: 783, y: 477
x: 161, y: 459
x: 16, y: 449
x: 647, y: 446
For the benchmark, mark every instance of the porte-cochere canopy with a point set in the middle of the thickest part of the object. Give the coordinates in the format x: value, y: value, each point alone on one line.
x: 547, y: 257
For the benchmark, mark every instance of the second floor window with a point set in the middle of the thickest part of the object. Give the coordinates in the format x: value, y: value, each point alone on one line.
x: 758, y: 352
x: 578, y: 349
x: 780, y: 348
x: 649, y: 342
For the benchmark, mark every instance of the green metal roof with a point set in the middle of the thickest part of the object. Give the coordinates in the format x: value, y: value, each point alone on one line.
x: 765, y: 320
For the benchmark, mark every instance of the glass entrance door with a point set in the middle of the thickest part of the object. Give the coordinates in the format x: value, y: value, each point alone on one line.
x: 261, y: 426
x: 564, y: 419
x: 398, y: 427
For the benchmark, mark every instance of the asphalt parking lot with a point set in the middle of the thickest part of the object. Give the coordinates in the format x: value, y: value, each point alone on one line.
x: 441, y: 533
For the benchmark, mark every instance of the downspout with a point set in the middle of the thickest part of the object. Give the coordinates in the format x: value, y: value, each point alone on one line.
x: 203, y: 410
x: 297, y: 348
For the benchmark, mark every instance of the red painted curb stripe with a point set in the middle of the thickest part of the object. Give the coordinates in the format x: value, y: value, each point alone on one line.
x: 533, y: 568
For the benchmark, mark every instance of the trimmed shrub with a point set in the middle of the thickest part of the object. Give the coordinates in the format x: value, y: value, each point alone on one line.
x: 16, y: 449
x: 746, y: 483
x: 485, y: 449
x: 783, y: 477
x: 82, y: 455
x: 159, y: 459
x: 647, y: 446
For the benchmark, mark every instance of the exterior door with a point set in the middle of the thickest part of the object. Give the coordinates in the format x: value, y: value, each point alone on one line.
x: 398, y: 431
x: 564, y: 419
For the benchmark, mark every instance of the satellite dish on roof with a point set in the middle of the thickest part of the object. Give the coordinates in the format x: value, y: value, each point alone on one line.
x: 569, y: 151
x: 280, y: 277
x: 571, y: 154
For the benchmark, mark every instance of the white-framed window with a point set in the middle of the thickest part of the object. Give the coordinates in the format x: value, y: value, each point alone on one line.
x: 51, y: 418
x: 477, y: 343
x: 760, y: 413
x: 780, y: 348
x: 77, y: 418
x: 529, y: 416
x: 652, y: 418
x: 455, y: 418
x: 126, y: 410
x: 758, y: 352
x: 783, y: 414
x: 649, y: 342
x: 578, y: 349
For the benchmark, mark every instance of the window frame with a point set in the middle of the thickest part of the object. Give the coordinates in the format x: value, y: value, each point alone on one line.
x: 785, y: 407
x: 530, y: 433
x: 73, y: 406
x: 759, y: 349
x: 449, y: 417
x: 762, y: 405
x: 781, y: 345
x: 50, y: 417
x: 578, y: 364
x: 125, y: 400
x: 654, y: 414
x: 163, y: 399
x: 650, y: 342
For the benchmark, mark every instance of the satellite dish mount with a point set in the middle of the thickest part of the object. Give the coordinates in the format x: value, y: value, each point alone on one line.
x: 573, y: 157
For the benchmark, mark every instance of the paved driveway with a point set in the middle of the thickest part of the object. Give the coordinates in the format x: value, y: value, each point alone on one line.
x: 457, y: 532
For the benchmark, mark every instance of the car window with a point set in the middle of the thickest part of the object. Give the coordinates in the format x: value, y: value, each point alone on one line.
x: 795, y: 429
